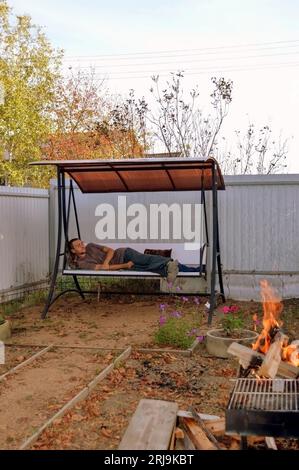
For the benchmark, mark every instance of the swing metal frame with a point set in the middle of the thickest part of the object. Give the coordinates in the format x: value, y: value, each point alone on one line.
x: 106, y: 176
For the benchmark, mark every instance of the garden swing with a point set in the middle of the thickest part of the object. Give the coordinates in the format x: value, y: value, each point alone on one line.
x: 138, y: 175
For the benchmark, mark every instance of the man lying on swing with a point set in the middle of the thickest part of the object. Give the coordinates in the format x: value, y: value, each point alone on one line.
x: 97, y: 257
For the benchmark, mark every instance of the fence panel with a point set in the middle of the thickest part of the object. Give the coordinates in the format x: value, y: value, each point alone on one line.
x: 259, y: 233
x: 24, y: 239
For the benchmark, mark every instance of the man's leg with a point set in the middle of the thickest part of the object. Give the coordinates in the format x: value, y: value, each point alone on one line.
x: 154, y: 263
x: 188, y: 269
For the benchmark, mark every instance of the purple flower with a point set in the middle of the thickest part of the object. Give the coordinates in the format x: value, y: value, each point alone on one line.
x: 192, y: 332
x: 185, y: 299
x: 162, y: 320
x: 200, y: 338
x: 169, y: 284
x: 176, y: 314
x: 178, y: 288
x: 196, y: 301
x: 163, y: 307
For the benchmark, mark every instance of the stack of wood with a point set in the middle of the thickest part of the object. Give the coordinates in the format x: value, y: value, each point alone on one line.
x: 160, y: 425
x: 208, y: 433
x: 198, y: 432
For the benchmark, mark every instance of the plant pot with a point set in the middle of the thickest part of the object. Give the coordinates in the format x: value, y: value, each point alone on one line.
x: 217, y: 345
x: 5, y: 331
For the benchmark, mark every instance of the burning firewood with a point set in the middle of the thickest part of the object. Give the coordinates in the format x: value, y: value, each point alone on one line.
x: 272, y: 342
x: 290, y: 353
x: 272, y: 308
x: 270, y: 354
x: 271, y: 362
x: 248, y: 356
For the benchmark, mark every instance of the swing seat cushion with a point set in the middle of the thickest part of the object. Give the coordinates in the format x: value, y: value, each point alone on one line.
x: 166, y: 253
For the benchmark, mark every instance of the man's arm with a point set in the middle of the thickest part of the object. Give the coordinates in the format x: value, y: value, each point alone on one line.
x: 109, y: 255
x: 114, y: 267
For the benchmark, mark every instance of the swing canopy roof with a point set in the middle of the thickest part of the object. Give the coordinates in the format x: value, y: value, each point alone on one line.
x: 140, y: 175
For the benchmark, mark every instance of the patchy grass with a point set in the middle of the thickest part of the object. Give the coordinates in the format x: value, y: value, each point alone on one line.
x: 175, y: 332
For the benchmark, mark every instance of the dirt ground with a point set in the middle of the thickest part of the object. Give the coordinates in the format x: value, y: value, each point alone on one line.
x: 110, y: 323
x: 41, y: 388
x: 36, y: 392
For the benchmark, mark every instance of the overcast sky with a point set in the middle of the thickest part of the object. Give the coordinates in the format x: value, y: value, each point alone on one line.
x: 256, y: 44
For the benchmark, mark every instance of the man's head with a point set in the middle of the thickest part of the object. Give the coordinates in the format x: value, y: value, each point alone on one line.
x: 77, y: 247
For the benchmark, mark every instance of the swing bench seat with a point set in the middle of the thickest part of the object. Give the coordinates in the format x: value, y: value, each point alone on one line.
x: 125, y: 273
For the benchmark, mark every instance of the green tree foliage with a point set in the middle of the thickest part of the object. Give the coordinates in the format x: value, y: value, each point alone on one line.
x: 29, y: 68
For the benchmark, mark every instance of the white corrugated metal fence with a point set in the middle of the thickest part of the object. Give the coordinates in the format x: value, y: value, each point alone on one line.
x: 259, y: 232
x: 24, y: 239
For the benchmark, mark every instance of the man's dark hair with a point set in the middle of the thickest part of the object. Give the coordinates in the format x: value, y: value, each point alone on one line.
x: 70, y: 244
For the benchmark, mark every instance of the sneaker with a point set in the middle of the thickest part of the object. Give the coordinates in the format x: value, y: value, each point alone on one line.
x: 172, y: 270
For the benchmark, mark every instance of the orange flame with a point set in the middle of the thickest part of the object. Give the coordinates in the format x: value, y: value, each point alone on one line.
x: 291, y: 354
x: 272, y: 308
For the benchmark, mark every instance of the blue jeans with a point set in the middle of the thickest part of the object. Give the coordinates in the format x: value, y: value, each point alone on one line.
x: 183, y: 268
x: 153, y: 263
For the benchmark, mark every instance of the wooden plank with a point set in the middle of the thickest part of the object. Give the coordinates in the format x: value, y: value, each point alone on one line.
x: 188, y: 414
x: 217, y: 427
x: 151, y: 426
x: 179, y: 433
x: 270, y: 443
x: 202, y: 425
x: 245, y: 355
x: 183, y: 442
x: 194, y: 346
x: 28, y: 361
x: 197, y: 435
x: 62, y: 346
x: 234, y: 445
x: 80, y: 396
x: 172, y: 440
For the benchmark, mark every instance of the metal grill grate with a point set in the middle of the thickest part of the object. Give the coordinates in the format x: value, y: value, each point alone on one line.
x: 265, y: 394
x: 264, y: 407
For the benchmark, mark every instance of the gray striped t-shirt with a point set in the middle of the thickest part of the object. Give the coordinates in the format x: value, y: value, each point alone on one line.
x: 96, y: 255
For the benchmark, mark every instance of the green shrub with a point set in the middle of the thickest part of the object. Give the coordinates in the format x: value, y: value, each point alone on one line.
x: 177, y: 328
x: 232, y: 322
x: 175, y: 332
